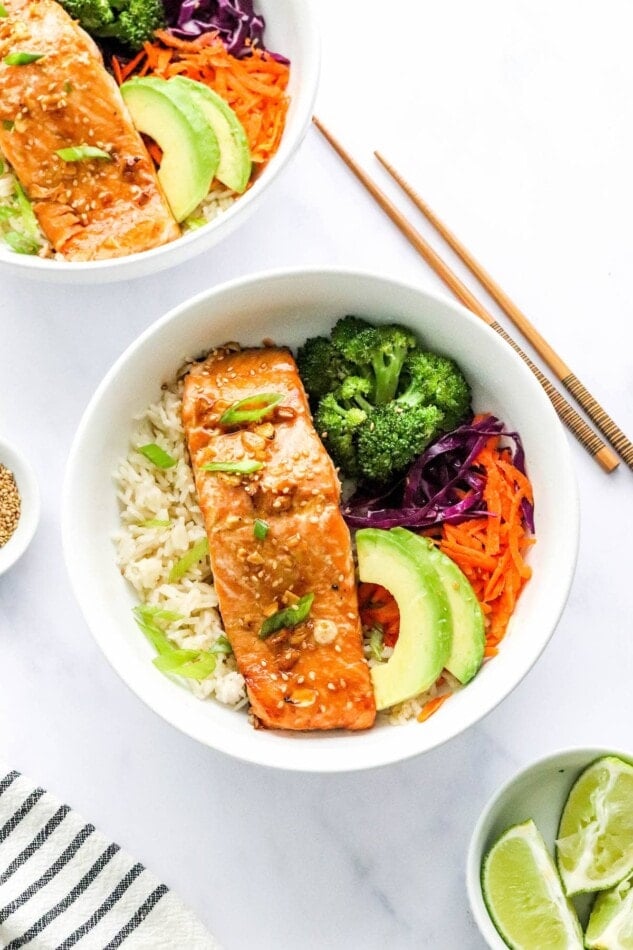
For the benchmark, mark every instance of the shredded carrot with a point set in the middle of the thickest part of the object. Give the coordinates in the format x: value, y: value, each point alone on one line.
x: 491, y: 551
x: 155, y: 151
x: 378, y: 608
x: 254, y: 87
x: 431, y: 707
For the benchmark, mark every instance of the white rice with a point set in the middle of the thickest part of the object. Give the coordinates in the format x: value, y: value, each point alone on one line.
x: 146, y: 555
x: 217, y: 201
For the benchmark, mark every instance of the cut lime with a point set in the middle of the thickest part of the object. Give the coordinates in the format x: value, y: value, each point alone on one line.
x: 610, y: 926
x: 524, y: 895
x: 594, y: 849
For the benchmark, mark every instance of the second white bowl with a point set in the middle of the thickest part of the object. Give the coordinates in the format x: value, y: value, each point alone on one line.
x: 538, y: 792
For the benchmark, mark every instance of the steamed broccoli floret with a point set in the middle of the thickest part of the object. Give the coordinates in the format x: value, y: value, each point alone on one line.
x: 380, y: 399
x: 392, y: 437
x: 339, y: 416
x: 377, y: 353
x: 348, y: 328
x: 438, y: 381
x: 130, y: 22
x: 321, y: 366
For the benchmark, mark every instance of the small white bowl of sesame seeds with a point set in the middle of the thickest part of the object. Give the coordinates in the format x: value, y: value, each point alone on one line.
x: 19, y: 505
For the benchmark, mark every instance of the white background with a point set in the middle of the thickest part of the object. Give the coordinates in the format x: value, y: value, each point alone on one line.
x: 515, y: 121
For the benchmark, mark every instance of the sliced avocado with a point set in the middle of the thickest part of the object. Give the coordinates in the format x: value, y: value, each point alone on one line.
x: 467, y: 650
x: 190, y: 148
x: 234, y: 169
x: 424, y: 641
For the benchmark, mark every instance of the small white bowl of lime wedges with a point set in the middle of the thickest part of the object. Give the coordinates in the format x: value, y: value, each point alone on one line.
x: 550, y: 862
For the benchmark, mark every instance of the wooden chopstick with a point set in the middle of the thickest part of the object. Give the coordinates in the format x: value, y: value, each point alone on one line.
x: 562, y: 371
x: 585, y: 435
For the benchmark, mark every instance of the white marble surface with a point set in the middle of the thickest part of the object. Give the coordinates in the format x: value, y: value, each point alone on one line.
x: 515, y: 121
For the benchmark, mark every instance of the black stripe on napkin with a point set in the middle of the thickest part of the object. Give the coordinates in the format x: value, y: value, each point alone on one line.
x: 36, y: 843
x: 7, y: 780
x: 137, y: 919
x: 48, y: 875
x: 23, y: 810
x: 107, y: 905
x: 71, y: 897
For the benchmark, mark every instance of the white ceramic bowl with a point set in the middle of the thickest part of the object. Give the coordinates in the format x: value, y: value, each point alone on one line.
x: 291, y: 29
x: 288, y: 307
x: 538, y: 792
x: 27, y: 486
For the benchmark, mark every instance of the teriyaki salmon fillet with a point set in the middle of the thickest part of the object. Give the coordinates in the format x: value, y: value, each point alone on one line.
x: 88, y: 209
x: 311, y: 675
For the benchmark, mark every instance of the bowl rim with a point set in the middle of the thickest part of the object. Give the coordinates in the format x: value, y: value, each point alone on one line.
x: 73, y: 462
x: 15, y: 460
x: 188, y: 246
x: 475, y: 853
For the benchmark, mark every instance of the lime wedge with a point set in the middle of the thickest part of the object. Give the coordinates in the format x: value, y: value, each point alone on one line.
x: 524, y: 896
x: 594, y: 849
x: 610, y: 926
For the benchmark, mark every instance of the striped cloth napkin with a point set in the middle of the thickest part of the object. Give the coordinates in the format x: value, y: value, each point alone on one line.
x: 63, y: 884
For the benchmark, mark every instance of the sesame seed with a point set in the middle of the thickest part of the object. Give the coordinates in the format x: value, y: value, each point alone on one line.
x: 10, y: 505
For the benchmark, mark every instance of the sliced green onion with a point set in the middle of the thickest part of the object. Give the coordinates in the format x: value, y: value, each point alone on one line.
x: 21, y: 243
x: 157, y: 456
x: 7, y: 212
x: 68, y: 87
x: 188, y: 663
x: 157, y: 637
x: 7, y: 124
x: 155, y: 523
x: 288, y: 617
x: 251, y: 409
x: 3, y: 11
x: 147, y: 611
x: 1, y: 167
x: 376, y: 643
x: 22, y: 59
x: 83, y: 153
x: 26, y: 211
x: 192, y: 664
x: 221, y: 645
x: 187, y: 561
x: 195, y: 223
x: 243, y: 467
x: 260, y: 529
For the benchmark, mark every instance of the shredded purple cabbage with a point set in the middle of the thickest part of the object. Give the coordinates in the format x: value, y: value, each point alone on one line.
x: 240, y: 28
x: 443, y: 485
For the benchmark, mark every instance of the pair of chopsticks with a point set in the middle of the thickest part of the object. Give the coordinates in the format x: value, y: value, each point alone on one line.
x: 607, y: 459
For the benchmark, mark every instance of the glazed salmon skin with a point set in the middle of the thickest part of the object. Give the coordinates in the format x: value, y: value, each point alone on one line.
x: 88, y: 210
x: 311, y: 675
